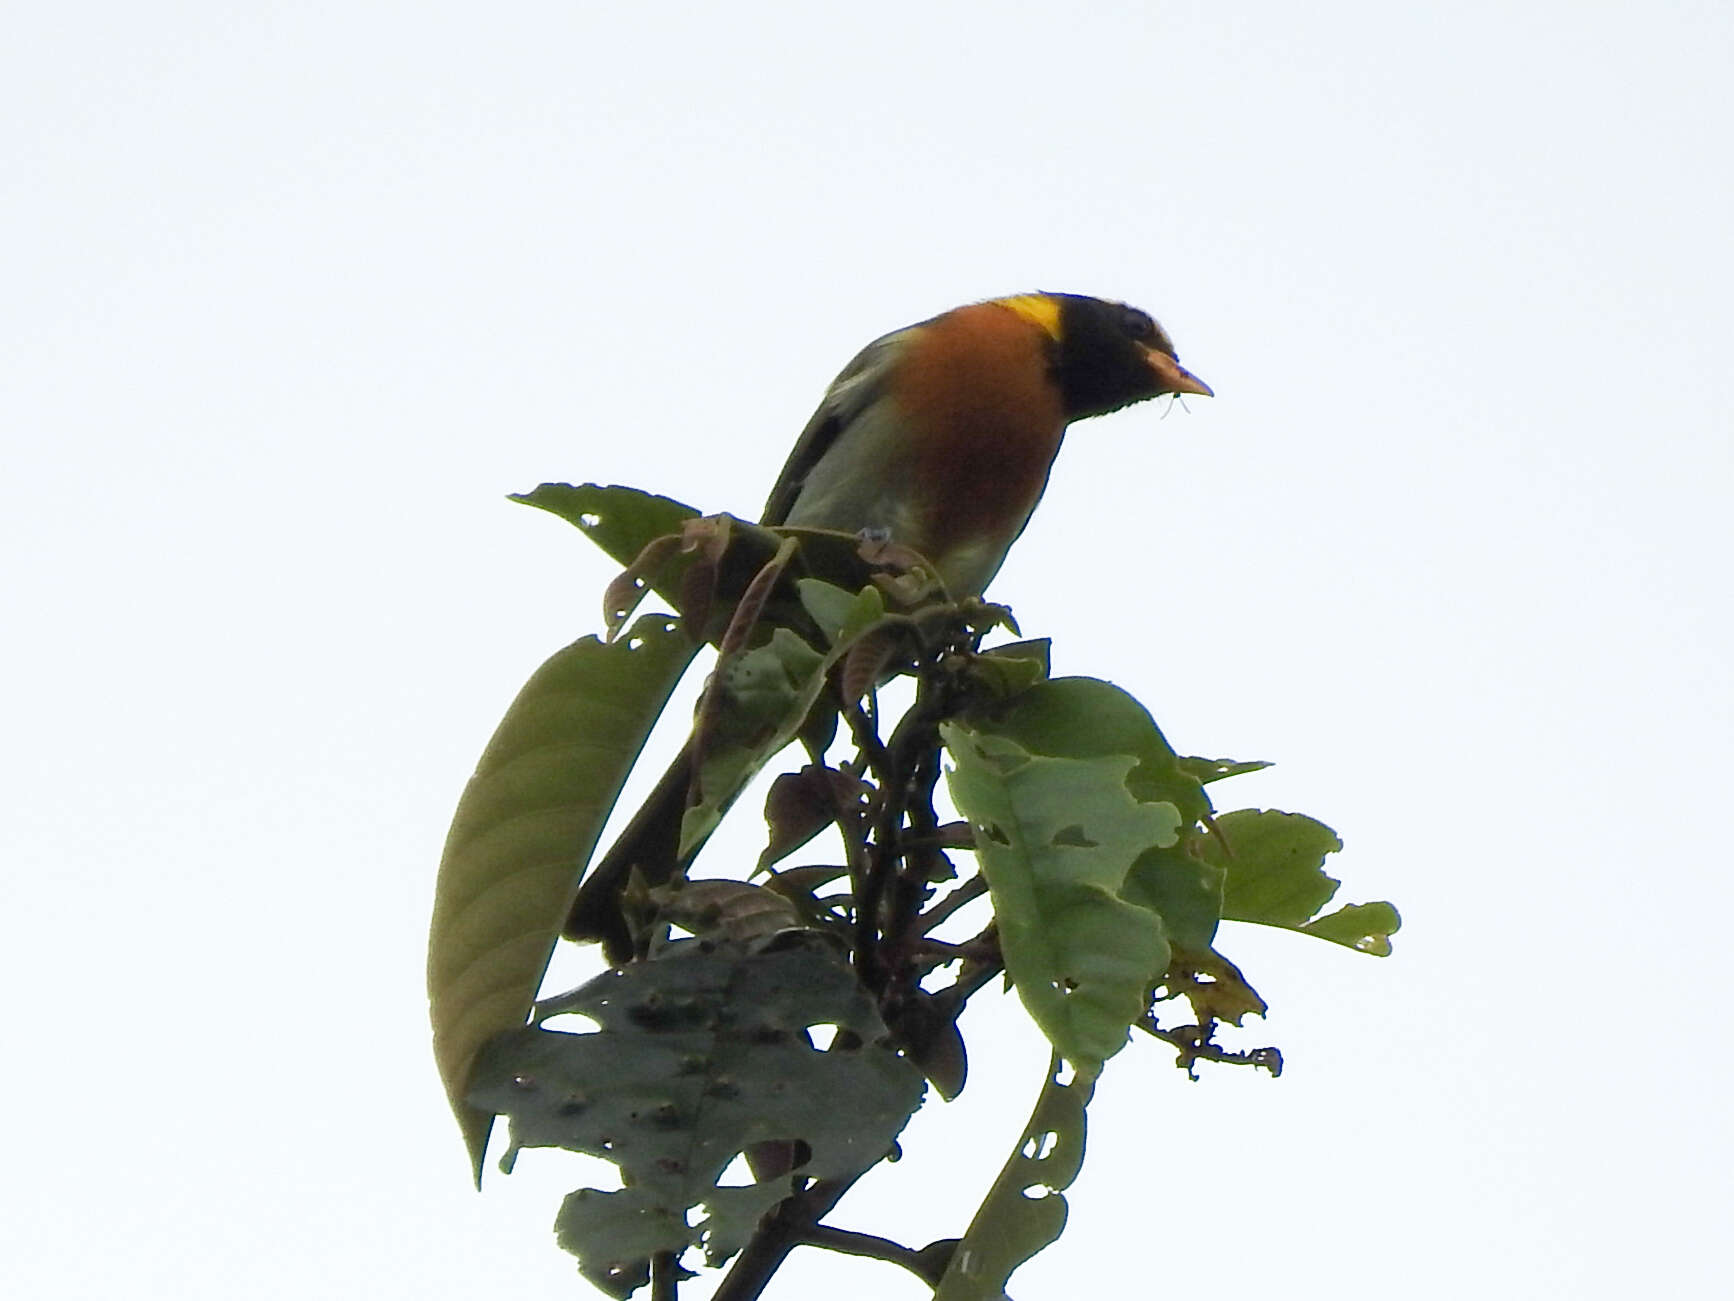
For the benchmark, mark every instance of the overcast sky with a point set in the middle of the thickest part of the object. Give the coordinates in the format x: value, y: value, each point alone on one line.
x: 295, y: 294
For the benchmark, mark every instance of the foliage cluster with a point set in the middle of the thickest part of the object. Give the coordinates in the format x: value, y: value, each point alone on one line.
x: 792, y: 1015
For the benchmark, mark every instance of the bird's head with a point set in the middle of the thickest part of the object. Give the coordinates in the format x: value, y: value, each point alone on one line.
x: 1106, y: 355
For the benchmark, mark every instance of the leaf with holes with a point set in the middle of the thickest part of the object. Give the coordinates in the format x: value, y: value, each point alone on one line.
x: 619, y: 520
x: 1056, y: 838
x: 698, y: 1057
x: 1363, y: 927
x: 1025, y: 1210
x: 1215, y: 770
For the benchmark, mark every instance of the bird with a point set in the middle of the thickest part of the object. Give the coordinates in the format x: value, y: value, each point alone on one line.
x: 939, y: 438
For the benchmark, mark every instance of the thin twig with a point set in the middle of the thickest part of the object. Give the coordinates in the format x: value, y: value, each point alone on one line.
x: 953, y: 835
x: 865, y: 734
x: 951, y: 999
x: 867, y: 1244
x: 968, y: 892
x: 851, y: 826
x: 866, y: 870
x: 929, y: 954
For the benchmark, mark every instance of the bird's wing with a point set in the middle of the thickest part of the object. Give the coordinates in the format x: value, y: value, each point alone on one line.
x: 860, y: 385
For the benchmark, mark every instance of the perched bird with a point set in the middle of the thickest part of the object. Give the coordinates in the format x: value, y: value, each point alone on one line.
x: 938, y: 437
x: 942, y: 435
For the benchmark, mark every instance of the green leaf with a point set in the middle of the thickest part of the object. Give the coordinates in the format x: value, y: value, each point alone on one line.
x: 616, y: 1233
x: 754, y: 706
x: 1056, y: 838
x: 523, y: 831
x: 1364, y: 927
x: 1039, y: 650
x: 757, y: 701
x: 1184, y: 890
x: 1214, y: 770
x: 619, y: 520
x: 699, y: 1057
x: 832, y: 607
x: 1077, y: 717
x: 725, y: 914
x: 1025, y: 1210
x: 1011, y: 669
x: 1274, y: 866
x: 624, y: 522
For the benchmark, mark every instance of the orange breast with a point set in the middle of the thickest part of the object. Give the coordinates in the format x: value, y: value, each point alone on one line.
x: 988, y: 422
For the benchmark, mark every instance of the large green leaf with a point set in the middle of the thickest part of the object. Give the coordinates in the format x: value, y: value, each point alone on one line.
x: 1056, y: 838
x: 523, y: 831
x: 1273, y: 865
x: 1013, y: 1222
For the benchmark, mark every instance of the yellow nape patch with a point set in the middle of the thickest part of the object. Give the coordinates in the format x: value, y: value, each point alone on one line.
x: 1038, y: 309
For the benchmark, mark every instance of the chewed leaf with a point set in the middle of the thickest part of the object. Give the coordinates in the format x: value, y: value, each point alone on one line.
x: 1273, y: 865
x: 1056, y: 838
x: 619, y: 520
x: 1026, y: 1208
x: 699, y: 1056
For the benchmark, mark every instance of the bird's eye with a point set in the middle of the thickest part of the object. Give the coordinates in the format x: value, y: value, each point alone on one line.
x: 1139, y: 325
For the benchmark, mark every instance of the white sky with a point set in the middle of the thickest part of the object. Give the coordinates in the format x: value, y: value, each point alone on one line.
x: 295, y: 294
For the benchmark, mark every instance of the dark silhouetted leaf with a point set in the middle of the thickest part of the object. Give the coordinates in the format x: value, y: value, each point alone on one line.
x: 801, y: 804
x: 699, y: 1057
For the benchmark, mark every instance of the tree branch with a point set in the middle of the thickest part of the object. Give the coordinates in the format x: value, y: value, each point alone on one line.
x: 968, y: 892
x: 951, y: 999
x: 665, y: 1276
x: 777, y: 1237
x: 919, y: 1263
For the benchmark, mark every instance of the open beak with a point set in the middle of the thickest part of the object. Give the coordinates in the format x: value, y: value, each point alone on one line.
x: 1173, y: 377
